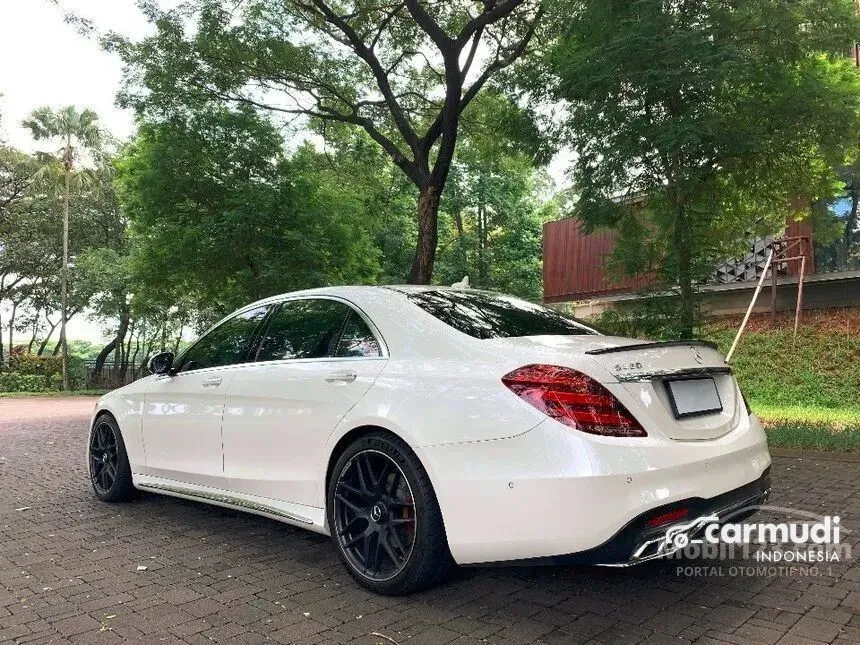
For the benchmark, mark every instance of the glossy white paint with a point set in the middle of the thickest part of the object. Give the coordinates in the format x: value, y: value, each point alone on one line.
x: 277, y: 417
x: 551, y: 491
x: 181, y: 425
x: 511, y: 482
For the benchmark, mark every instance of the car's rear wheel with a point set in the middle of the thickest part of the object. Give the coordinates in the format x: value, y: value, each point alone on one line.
x: 110, y: 472
x: 384, y: 517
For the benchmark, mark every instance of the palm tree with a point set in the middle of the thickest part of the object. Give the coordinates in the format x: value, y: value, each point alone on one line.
x: 75, y: 131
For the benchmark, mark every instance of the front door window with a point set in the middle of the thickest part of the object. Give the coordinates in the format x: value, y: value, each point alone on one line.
x: 227, y: 344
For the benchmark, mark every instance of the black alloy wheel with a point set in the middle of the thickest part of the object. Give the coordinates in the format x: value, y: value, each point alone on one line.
x: 374, y: 515
x: 110, y: 473
x: 384, y: 517
x: 103, y: 458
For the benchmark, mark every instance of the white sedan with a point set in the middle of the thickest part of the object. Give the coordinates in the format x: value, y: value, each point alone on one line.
x: 422, y: 427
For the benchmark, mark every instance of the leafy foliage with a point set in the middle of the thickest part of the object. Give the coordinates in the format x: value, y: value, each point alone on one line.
x: 33, y: 364
x: 17, y: 382
x: 219, y: 212
x: 696, y: 124
x: 493, y: 233
x: 403, y: 72
x: 651, y: 317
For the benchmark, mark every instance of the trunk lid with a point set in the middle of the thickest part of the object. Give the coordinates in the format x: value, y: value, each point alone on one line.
x: 630, y: 360
x: 638, y: 374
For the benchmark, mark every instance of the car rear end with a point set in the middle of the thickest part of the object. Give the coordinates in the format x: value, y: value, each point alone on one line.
x: 637, y: 439
x: 672, y: 433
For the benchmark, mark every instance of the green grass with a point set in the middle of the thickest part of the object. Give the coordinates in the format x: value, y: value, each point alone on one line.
x: 810, y: 428
x: 16, y: 395
x: 836, y: 418
x: 808, y: 397
x: 802, y: 436
x: 823, y: 372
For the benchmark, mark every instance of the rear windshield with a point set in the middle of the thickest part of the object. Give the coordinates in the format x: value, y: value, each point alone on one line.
x: 486, y: 315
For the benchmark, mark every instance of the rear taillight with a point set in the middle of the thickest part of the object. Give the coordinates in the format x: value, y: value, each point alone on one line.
x: 574, y: 399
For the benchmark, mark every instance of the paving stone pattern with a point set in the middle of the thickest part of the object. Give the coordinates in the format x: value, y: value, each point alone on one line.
x: 71, y: 571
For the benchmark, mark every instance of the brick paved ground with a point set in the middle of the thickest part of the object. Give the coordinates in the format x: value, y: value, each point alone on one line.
x: 69, y: 571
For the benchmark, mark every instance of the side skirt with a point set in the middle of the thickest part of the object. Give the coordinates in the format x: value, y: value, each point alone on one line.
x: 306, y: 517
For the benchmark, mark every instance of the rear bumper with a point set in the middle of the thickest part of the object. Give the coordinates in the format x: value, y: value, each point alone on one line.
x: 637, y: 543
x: 553, y: 492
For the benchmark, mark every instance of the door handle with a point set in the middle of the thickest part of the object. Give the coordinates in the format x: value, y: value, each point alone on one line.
x: 214, y: 381
x: 341, y: 377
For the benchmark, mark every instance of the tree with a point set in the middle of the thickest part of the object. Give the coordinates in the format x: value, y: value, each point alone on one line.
x: 75, y: 130
x: 402, y: 70
x: 221, y: 216
x: 17, y: 171
x: 711, y: 116
x: 28, y: 234
x: 497, y: 200
x: 382, y: 196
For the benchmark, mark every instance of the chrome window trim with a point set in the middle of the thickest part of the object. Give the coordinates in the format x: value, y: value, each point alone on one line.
x: 273, y: 302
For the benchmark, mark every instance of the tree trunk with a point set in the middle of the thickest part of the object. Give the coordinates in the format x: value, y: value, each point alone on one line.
x: 2, y: 280
x: 61, y: 342
x: 126, y: 353
x: 4, y: 291
x: 462, y: 251
x: 102, y: 357
x: 684, y: 258
x: 149, y: 347
x: 120, y: 345
x: 178, y: 339
x: 11, y: 329
x: 428, y: 235
x: 44, y: 343
x: 849, y: 228
x: 133, y: 361
x: 35, y: 333
x: 65, y: 276
x: 111, y: 346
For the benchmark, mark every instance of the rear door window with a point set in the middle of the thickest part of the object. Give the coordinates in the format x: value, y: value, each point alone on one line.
x: 357, y: 340
x: 306, y: 328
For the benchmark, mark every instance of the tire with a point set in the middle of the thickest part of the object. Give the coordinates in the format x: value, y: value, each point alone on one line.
x: 388, y: 564
x: 107, y: 461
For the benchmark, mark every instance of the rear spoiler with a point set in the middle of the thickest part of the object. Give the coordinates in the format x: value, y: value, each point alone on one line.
x: 666, y: 343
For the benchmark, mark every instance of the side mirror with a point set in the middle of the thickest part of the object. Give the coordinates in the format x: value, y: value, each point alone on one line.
x: 161, y: 363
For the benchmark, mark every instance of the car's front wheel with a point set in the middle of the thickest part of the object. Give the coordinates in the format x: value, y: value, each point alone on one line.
x: 384, y: 517
x: 110, y: 472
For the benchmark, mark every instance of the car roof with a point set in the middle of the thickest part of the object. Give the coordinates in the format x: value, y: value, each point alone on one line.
x: 424, y: 288
x: 346, y: 291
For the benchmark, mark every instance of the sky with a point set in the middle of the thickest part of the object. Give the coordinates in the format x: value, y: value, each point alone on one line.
x: 47, y: 62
